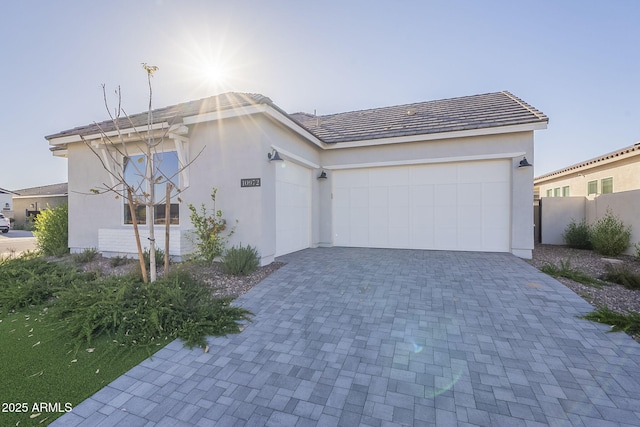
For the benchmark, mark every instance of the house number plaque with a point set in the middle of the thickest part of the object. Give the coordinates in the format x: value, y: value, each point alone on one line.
x: 250, y: 182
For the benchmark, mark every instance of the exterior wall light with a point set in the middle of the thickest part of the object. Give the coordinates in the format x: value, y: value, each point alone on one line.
x: 524, y: 163
x: 323, y: 175
x: 274, y: 156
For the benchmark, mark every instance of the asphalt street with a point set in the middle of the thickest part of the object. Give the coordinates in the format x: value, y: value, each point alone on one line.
x: 16, y: 242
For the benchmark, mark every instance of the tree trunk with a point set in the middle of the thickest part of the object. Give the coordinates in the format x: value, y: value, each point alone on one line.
x: 134, y: 220
x: 167, y: 223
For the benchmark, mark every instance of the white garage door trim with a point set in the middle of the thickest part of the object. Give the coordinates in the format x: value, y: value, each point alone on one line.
x: 293, y: 207
x: 448, y: 206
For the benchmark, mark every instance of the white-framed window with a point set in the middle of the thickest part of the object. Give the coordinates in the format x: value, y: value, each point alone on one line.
x: 556, y: 192
x: 592, y: 187
x: 606, y: 185
x: 565, y: 191
x: 166, y: 165
x: 550, y: 192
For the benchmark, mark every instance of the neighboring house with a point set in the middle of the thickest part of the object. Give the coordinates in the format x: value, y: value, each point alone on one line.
x: 611, y: 173
x: 442, y: 175
x: 6, y: 202
x: 29, y: 202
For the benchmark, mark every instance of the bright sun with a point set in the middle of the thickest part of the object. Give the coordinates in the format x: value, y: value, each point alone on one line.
x: 215, y: 74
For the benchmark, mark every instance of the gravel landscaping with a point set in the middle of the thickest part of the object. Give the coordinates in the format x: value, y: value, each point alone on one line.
x: 613, y: 296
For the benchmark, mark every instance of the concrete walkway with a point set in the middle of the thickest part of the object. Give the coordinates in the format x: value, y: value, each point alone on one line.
x: 383, y: 337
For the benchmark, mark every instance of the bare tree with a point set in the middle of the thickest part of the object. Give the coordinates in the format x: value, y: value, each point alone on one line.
x: 115, y: 154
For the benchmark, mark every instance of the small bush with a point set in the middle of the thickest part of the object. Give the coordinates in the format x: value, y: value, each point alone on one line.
x: 208, y: 236
x: 86, y: 256
x: 629, y: 323
x: 117, y: 261
x: 51, y: 229
x: 637, y: 247
x: 135, y: 313
x: 147, y: 258
x: 610, y: 236
x: 30, y: 280
x: 622, y: 276
x: 567, y: 272
x: 241, y: 260
x: 576, y: 235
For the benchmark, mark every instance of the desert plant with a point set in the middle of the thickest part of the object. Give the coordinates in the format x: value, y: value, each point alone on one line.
x: 51, y: 229
x: 565, y: 270
x: 621, y: 276
x: 241, y: 260
x: 87, y: 255
x: 629, y: 323
x: 609, y: 235
x: 119, y: 260
x: 576, y: 235
x: 209, y: 227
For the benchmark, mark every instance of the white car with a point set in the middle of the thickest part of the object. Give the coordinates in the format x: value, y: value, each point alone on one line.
x: 5, y: 224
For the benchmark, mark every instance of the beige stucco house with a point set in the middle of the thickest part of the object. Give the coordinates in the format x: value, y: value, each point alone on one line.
x: 614, y: 172
x: 29, y: 202
x: 442, y: 175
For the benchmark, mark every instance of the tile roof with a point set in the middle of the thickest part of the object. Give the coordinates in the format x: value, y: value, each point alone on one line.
x: 446, y: 115
x: 169, y: 114
x: 620, y: 153
x: 45, y: 190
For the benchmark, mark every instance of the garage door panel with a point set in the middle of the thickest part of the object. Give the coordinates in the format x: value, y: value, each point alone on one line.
x: 446, y: 216
x: 399, y: 196
x: 435, y: 174
x: 398, y: 237
x: 469, y: 194
x: 384, y: 176
x: 379, y: 197
x: 451, y: 206
x: 293, y: 208
x: 470, y: 216
x: 423, y: 216
x: 359, y: 236
x: 359, y: 198
x: 422, y: 238
x: 446, y: 238
x: 422, y: 195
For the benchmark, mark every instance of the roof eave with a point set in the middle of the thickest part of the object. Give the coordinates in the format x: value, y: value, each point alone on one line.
x: 587, y: 165
x: 526, y: 127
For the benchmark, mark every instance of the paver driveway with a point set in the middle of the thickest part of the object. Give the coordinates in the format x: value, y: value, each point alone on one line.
x: 390, y: 337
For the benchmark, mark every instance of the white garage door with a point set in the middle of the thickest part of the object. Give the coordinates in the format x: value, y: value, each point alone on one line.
x: 293, y: 208
x: 450, y: 206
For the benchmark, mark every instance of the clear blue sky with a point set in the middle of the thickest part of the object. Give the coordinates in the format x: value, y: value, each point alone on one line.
x: 577, y: 61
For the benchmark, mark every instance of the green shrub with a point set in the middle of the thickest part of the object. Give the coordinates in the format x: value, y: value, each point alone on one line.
x: 208, y: 235
x: 147, y: 258
x: 637, y: 247
x: 576, y: 235
x: 30, y: 280
x: 610, y: 236
x: 567, y: 272
x: 135, y: 313
x: 241, y: 260
x: 51, y: 229
x: 629, y: 323
x: 621, y: 276
x: 86, y: 256
x: 119, y: 260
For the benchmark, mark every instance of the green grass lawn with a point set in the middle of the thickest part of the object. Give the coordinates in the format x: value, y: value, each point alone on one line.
x: 38, y: 364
